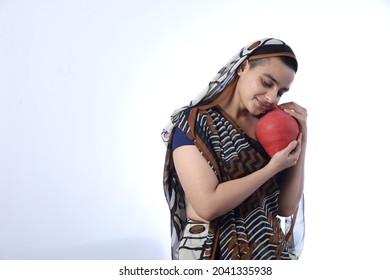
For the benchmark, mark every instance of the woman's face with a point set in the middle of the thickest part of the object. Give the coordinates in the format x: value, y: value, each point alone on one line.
x: 260, y: 87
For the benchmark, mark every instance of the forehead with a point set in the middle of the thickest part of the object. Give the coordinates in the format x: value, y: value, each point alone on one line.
x: 274, y: 67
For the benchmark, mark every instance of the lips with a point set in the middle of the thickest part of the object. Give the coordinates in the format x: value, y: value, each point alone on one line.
x: 263, y: 106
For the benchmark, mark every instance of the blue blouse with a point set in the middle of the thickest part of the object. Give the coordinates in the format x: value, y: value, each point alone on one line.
x: 180, y: 139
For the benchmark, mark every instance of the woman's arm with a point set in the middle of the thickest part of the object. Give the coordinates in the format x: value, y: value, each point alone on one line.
x: 292, y: 179
x: 211, y: 199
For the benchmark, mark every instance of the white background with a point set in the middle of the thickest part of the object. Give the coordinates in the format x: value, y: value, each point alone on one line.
x: 86, y: 87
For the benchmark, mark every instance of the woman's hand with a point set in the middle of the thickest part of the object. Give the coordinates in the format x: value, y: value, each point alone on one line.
x: 299, y: 113
x: 288, y: 156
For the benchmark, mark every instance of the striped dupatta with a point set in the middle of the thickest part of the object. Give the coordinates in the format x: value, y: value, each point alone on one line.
x: 251, y: 230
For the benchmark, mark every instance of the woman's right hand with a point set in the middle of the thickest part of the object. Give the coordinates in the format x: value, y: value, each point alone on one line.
x: 287, y: 157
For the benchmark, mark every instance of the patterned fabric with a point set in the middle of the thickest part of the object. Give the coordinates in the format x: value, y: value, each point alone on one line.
x: 252, y: 230
x: 193, y: 240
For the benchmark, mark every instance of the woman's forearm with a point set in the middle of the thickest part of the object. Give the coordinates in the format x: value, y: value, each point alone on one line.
x: 291, y: 186
x: 230, y: 194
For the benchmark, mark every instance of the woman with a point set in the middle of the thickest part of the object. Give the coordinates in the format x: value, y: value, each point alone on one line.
x: 224, y: 192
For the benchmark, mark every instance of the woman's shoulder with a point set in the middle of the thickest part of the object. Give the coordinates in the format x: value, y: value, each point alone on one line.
x: 180, y: 138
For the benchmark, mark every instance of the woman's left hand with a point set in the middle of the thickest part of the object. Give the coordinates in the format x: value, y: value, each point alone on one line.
x: 299, y: 113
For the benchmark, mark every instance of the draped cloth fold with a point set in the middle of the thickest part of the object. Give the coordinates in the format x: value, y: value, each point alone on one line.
x: 252, y: 230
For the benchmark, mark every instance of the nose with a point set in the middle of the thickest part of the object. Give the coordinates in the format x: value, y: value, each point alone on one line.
x: 272, y: 96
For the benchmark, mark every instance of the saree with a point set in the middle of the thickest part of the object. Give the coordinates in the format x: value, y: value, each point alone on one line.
x: 252, y: 230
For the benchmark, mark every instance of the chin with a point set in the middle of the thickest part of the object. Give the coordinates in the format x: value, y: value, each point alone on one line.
x: 263, y: 112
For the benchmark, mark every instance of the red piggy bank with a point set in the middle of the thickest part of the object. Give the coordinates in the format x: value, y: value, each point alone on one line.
x: 275, y: 130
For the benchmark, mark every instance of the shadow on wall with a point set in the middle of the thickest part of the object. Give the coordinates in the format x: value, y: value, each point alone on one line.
x: 125, y: 249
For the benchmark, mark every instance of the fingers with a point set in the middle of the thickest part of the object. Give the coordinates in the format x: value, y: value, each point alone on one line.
x: 294, y: 110
x: 291, y: 146
x: 299, y: 113
x: 294, y: 150
x: 293, y: 106
x: 289, y: 156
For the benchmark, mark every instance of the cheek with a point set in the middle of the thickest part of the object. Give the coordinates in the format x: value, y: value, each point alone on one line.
x: 242, y: 87
x: 250, y: 91
x: 255, y: 88
x: 250, y: 86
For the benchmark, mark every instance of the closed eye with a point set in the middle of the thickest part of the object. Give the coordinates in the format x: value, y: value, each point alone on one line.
x: 267, y: 85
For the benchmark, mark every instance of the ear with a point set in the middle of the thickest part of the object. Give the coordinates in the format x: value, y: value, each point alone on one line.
x: 243, y: 66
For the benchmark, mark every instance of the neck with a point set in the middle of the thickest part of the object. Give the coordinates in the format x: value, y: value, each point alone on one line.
x: 234, y: 108
x: 239, y: 114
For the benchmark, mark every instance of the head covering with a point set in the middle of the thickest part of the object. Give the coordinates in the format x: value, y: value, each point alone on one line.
x: 267, y: 47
